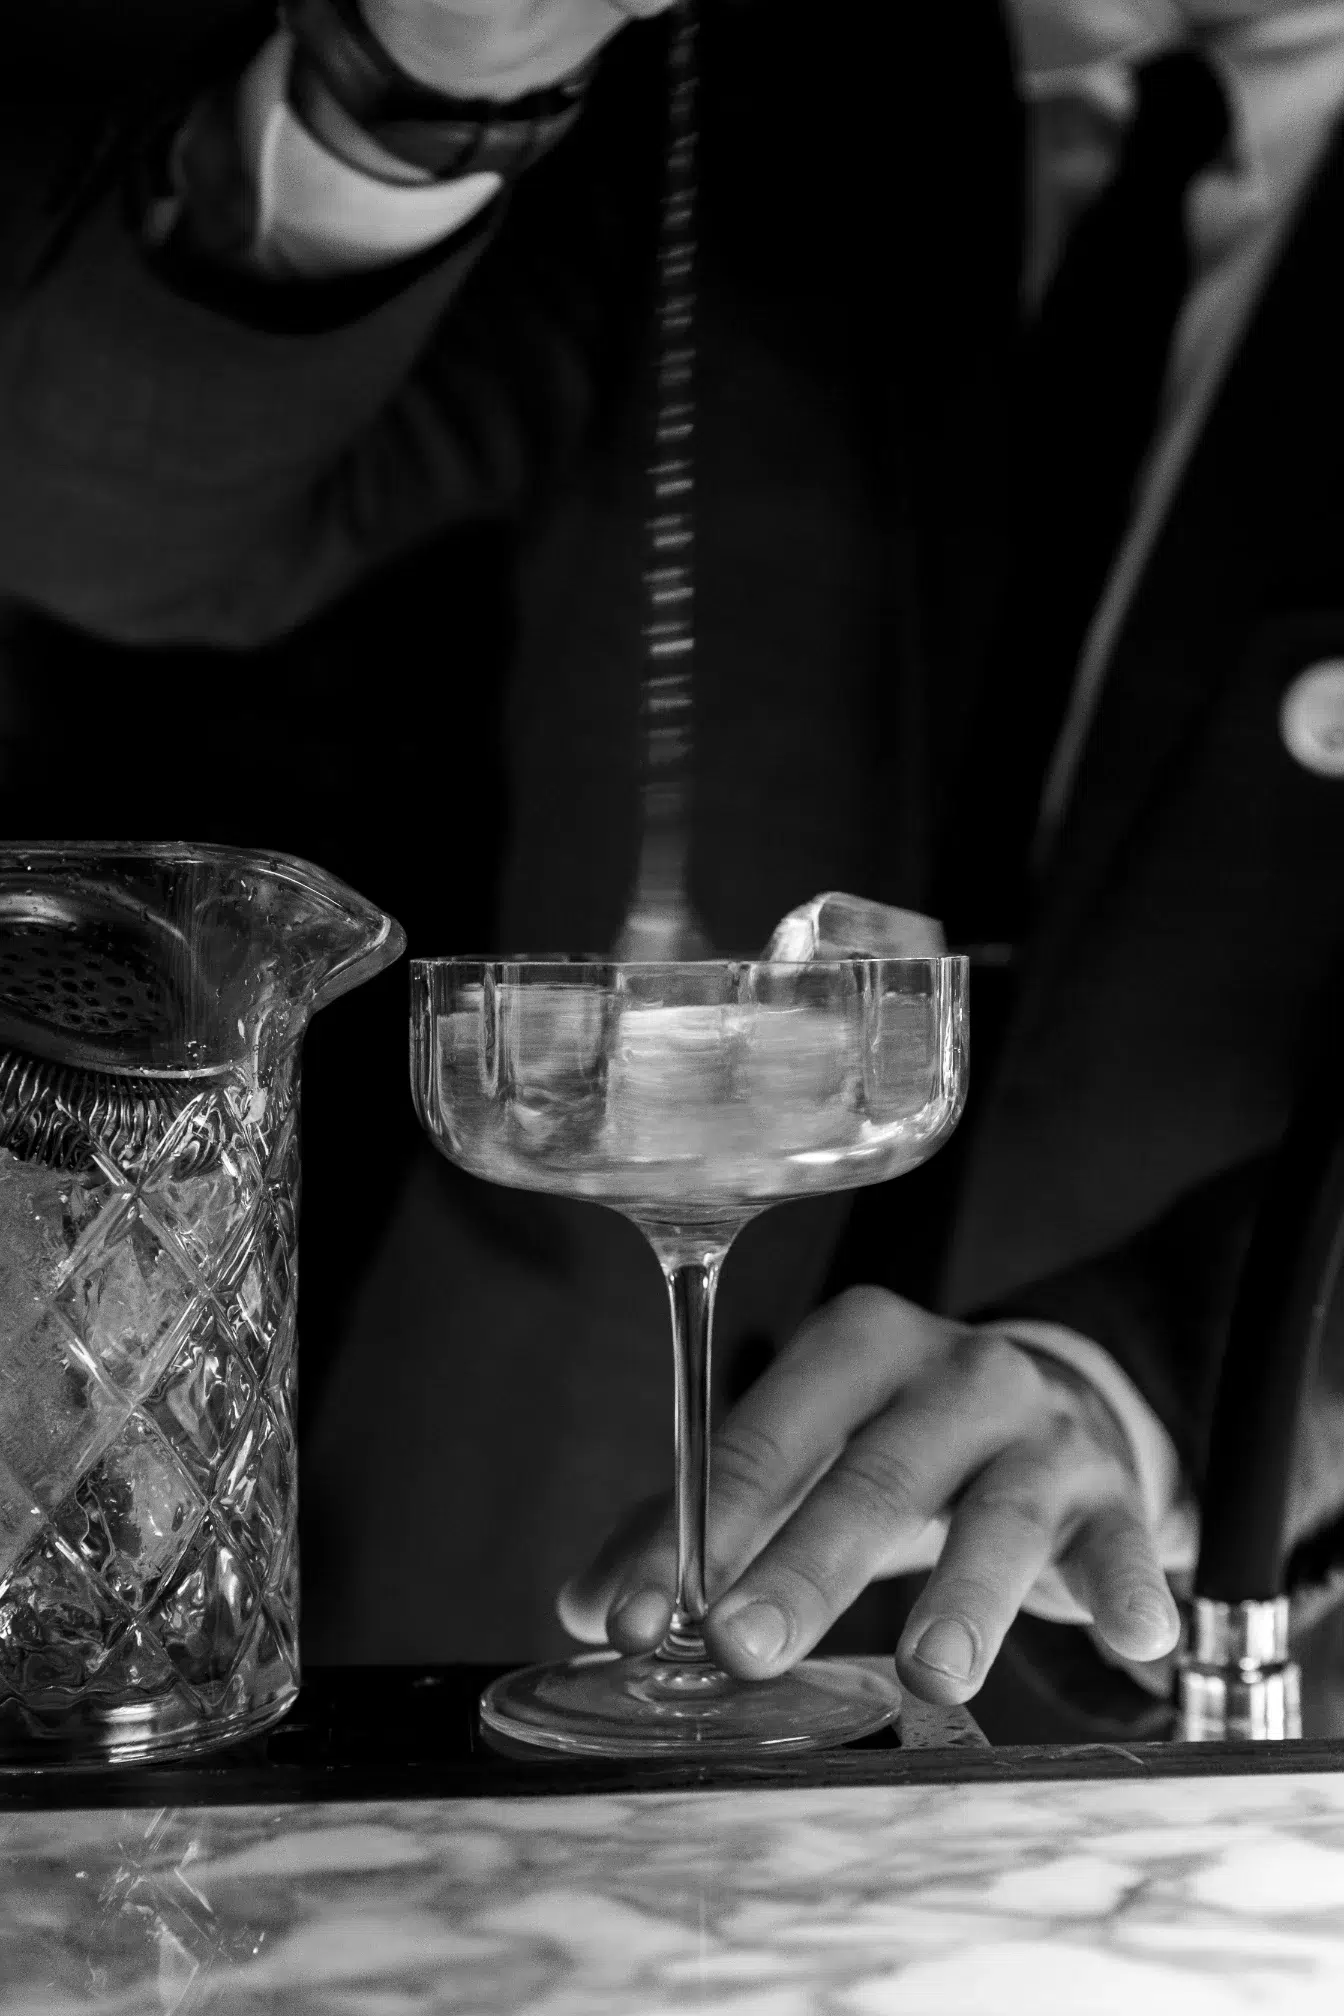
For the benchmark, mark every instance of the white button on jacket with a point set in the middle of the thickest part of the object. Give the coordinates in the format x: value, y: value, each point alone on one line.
x: 1311, y: 718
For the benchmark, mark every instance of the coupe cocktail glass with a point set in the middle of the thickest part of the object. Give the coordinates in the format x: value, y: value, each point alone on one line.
x: 689, y: 1096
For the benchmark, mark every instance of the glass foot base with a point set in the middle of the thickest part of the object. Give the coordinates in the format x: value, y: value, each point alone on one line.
x: 601, y: 1705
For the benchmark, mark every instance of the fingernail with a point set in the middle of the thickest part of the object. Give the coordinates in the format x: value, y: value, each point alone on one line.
x: 640, y: 1616
x: 759, y: 1630
x: 947, y: 1646
x: 1155, y: 1619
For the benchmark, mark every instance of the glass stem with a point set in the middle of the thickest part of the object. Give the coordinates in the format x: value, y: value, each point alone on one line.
x: 691, y: 1287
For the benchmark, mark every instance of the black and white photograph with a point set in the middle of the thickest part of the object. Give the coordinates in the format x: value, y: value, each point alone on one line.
x: 671, y: 1007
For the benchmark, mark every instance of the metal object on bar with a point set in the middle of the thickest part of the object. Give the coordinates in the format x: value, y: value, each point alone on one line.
x: 62, y: 1118
x: 659, y: 923
x: 1235, y: 1675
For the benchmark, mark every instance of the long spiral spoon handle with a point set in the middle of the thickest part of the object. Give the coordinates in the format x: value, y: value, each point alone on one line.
x: 660, y: 923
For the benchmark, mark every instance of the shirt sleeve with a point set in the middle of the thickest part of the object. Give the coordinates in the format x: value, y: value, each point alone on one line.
x: 317, y: 217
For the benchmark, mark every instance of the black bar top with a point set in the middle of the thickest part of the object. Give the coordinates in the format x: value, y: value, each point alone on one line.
x: 363, y: 1733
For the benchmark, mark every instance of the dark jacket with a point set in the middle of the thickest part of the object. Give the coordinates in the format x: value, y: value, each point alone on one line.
x: 863, y: 246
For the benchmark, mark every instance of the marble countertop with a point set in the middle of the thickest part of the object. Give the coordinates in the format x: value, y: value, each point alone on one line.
x: 1190, y: 1895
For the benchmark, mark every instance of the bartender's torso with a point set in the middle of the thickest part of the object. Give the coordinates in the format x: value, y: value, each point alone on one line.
x: 1195, y: 809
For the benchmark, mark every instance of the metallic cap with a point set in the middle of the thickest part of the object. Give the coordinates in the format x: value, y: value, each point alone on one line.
x: 1235, y: 1679
x: 1238, y: 1634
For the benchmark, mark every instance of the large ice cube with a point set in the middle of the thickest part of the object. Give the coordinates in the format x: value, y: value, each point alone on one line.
x: 551, y: 1061
x: 898, y: 1062
x: 835, y: 926
x: 670, y: 1082
x: 799, y: 1073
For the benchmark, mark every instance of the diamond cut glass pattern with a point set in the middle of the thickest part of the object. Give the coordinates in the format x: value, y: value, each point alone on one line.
x: 149, y: 1211
x: 254, y: 1497
x: 206, y: 1620
x: 200, y: 1196
x: 131, y: 1516
x: 201, y: 1401
x: 181, y: 1513
x: 57, y: 1624
x: 128, y: 1300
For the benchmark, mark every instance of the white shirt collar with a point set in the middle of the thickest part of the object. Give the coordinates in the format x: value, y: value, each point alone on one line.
x: 1065, y: 38
x: 1282, y: 62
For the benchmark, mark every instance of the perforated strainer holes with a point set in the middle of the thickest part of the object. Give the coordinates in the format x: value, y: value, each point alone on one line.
x: 83, y: 990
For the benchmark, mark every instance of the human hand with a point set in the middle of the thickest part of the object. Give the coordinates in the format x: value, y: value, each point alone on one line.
x: 876, y: 1419
x: 498, y: 49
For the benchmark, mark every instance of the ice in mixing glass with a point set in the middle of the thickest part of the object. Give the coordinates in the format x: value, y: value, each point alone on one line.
x: 146, y: 1457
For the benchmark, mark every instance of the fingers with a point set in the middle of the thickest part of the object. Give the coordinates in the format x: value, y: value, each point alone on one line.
x: 866, y: 1512
x: 878, y: 1419
x: 1005, y: 1531
x: 1113, y: 1569
x: 845, y: 1364
x: 584, y: 1604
